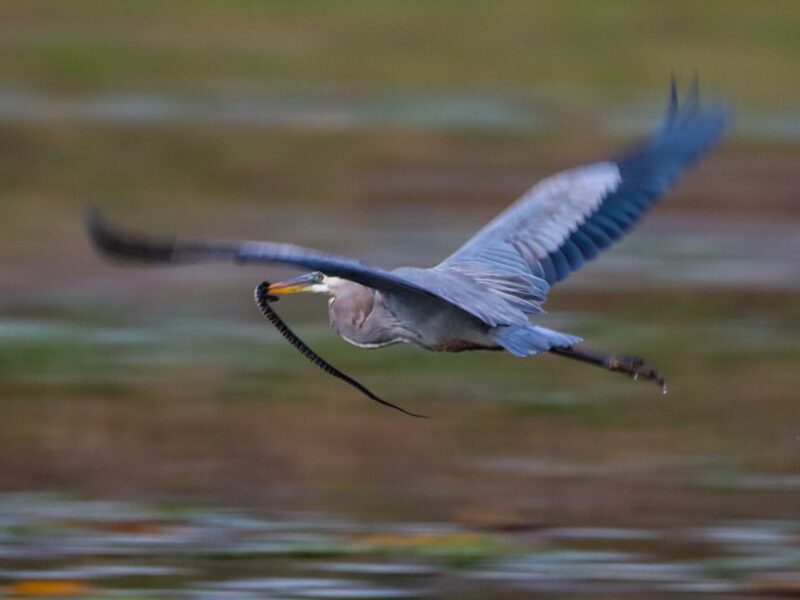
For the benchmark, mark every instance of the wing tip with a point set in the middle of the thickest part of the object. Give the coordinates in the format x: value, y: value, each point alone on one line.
x: 699, y: 124
x: 121, y: 245
x: 717, y: 112
x: 672, y: 109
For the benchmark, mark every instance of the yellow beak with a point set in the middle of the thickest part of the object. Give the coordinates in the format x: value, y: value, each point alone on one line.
x: 303, y: 283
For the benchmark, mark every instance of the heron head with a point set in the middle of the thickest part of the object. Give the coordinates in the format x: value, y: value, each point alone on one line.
x: 314, y: 282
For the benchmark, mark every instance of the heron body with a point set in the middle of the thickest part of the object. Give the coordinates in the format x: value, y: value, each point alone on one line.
x: 360, y: 316
x: 485, y: 294
x: 368, y: 318
x: 371, y: 319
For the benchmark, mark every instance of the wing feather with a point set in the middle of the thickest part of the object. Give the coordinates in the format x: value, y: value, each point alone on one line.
x: 565, y: 220
x: 132, y: 247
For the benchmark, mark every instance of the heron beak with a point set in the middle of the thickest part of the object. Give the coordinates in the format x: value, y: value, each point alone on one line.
x: 303, y: 283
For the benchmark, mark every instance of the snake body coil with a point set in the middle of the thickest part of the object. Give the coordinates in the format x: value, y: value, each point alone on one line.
x: 264, y: 300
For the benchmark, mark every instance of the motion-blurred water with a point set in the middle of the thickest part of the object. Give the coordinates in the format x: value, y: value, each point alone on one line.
x: 159, y: 440
x: 65, y: 547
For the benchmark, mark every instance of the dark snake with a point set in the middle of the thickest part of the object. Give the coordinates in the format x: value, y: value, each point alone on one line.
x: 264, y: 301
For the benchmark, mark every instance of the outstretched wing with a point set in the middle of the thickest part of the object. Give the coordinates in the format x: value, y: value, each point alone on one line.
x: 502, y: 274
x: 129, y: 246
x: 565, y: 220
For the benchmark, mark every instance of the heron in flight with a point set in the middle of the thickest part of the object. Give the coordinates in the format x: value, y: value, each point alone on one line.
x: 482, y: 296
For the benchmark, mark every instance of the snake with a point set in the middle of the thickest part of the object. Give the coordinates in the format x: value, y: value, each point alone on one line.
x: 264, y: 301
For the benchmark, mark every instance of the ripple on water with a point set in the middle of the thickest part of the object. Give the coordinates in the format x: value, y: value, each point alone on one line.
x: 310, y: 587
x: 378, y: 569
x: 208, y: 554
x: 323, y: 109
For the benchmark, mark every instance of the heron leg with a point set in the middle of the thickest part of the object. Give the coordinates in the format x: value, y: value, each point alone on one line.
x: 632, y: 366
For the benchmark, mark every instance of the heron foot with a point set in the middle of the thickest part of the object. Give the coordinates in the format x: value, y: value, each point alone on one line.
x: 632, y: 366
x: 635, y: 367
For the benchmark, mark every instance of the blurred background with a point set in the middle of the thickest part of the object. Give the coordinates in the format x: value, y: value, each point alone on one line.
x: 159, y: 440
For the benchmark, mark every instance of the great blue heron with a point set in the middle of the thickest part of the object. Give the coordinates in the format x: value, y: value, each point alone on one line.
x: 482, y: 296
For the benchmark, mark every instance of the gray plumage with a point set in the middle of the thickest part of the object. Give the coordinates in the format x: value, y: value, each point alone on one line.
x: 483, y: 295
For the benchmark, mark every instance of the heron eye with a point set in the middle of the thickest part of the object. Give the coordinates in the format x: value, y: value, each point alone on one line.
x: 318, y: 277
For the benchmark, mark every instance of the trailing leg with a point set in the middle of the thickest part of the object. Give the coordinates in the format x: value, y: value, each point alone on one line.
x: 629, y: 365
